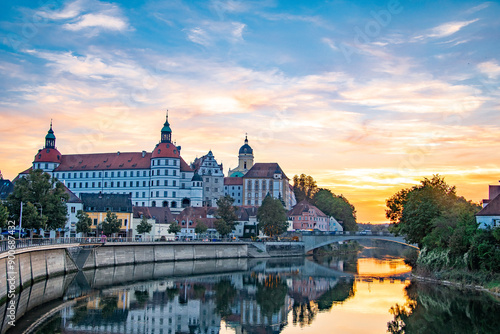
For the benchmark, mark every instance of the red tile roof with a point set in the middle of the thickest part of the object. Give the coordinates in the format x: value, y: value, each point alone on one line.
x: 184, y: 166
x: 304, y: 206
x: 162, y: 215
x: 48, y: 155
x: 233, y: 181
x: 492, y: 209
x: 104, y: 161
x: 166, y: 150
x: 264, y: 170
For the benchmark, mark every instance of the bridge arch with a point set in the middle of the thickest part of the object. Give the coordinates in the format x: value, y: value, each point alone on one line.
x: 312, y: 242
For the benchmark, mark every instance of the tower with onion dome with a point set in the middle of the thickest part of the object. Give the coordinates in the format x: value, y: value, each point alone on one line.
x: 245, y: 160
x: 48, y: 158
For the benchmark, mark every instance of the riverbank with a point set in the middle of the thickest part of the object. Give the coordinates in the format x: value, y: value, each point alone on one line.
x: 487, y: 282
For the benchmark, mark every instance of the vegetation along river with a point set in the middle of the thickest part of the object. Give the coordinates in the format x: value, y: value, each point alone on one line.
x: 369, y: 292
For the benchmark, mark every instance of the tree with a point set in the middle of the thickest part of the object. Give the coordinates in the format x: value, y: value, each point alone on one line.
x: 144, y: 226
x: 226, y: 215
x: 271, y: 216
x: 304, y: 187
x: 431, y: 214
x: 43, y: 201
x: 200, y: 228
x: 84, y: 222
x: 111, y: 224
x: 4, y: 216
x: 337, y: 207
x: 174, y: 228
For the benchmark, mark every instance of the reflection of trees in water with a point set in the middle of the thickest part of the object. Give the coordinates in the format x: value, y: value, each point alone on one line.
x: 441, y: 309
x: 142, y: 297
x: 304, y: 313
x: 108, y: 306
x: 51, y: 327
x: 349, y: 262
x: 171, y: 293
x: 271, y: 293
x: 225, y: 293
x: 342, y: 291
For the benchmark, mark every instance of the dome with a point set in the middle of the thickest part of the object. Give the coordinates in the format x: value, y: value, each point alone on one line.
x: 50, y: 134
x: 246, y: 149
x: 165, y: 150
x: 48, y: 155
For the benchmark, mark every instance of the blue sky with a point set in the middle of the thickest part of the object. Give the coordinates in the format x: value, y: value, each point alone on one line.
x: 367, y: 97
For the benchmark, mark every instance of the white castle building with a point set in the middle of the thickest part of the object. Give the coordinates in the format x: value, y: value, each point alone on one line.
x: 157, y: 178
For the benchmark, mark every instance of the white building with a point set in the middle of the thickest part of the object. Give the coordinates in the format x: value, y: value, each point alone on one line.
x: 489, y: 216
x: 212, y: 175
x: 233, y: 186
x: 159, y: 178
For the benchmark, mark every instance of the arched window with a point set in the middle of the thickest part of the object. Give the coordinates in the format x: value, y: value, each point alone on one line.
x: 165, y: 204
x: 173, y: 204
x: 153, y: 204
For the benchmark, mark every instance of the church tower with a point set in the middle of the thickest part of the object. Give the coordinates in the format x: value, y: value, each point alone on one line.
x: 48, y: 158
x: 166, y: 132
x: 245, y: 160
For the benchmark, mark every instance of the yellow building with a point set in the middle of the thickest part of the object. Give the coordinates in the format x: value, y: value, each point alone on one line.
x: 98, y: 205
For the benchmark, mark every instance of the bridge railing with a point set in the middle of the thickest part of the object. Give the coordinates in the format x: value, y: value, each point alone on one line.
x: 360, y: 233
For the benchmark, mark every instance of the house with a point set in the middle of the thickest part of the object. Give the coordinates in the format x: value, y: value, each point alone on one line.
x: 489, y: 216
x: 74, y: 205
x: 306, y: 216
x: 97, y: 206
x: 246, y: 225
x: 190, y: 217
x: 159, y: 217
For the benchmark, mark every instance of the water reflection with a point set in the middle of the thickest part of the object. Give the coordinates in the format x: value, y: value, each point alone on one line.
x: 354, y: 294
x: 434, y: 308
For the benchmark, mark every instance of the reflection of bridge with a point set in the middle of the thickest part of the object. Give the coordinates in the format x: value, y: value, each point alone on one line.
x: 313, y: 241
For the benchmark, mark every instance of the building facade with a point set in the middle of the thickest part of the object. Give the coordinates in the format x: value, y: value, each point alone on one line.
x: 489, y: 216
x: 263, y: 179
x: 157, y: 178
x: 212, y: 175
x: 233, y: 186
x: 306, y: 216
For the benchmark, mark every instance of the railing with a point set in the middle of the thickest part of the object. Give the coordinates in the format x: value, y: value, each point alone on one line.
x: 6, y: 245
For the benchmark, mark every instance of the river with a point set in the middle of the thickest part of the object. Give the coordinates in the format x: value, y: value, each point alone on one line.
x: 370, y: 292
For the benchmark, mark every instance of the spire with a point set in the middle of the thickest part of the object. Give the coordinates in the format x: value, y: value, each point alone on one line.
x: 166, y: 132
x: 50, y: 138
x: 246, y: 138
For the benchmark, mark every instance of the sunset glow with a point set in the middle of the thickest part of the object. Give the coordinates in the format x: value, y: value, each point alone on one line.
x: 367, y: 98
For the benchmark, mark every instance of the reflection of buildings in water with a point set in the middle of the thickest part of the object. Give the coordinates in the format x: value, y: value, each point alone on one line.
x: 162, y: 312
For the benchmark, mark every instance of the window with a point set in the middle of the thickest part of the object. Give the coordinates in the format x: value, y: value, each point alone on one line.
x: 144, y: 173
x: 174, y: 172
x: 173, y: 194
x: 157, y: 194
x: 112, y: 174
x: 86, y: 184
x: 87, y: 175
x: 165, y: 183
x: 157, y: 183
x: 165, y: 194
x: 99, y: 184
x: 143, y: 183
x: 95, y: 221
x: 216, y: 180
x: 166, y: 171
x: 111, y: 186
x: 105, y: 174
x: 143, y: 196
x: 105, y: 184
x: 126, y: 222
x: 125, y: 173
x: 81, y: 175
x: 131, y: 184
x: 100, y: 174
x: 175, y: 183
x: 69, y: 175
x: 63, y: 175
x: 207, y: 189
x: 183, y: 175
x: 118, y: 174
x: 80, y: 185
x: 93, y: 184
x: 73, y: 209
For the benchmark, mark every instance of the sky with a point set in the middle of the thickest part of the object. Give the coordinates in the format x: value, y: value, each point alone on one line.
x: 368, y: 97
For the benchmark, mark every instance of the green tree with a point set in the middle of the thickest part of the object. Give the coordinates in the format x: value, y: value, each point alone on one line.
x: 271, y: 216
x: 431, y: 214
x: 226, y: 215
x: 4, y: 216
x: 111, y: 224
x: 84, y: 222
x: 174, y: 228
x: 200, y: 228
x: 43, y: 200
x: 337, y: 207
x: 304, y: 187
x: 144, y: 226
x: 225, y: 293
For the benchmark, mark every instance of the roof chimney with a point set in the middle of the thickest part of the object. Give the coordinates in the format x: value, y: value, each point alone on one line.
x: 143, y: 154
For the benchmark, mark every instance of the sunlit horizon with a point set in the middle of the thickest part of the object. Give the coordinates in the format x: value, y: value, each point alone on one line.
x: 367, y: 97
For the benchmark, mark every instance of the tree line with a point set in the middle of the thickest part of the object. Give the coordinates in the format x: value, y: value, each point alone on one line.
x: 443, y: 224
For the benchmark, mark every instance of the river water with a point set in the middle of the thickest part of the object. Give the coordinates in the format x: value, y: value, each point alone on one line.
x: 366, y: 293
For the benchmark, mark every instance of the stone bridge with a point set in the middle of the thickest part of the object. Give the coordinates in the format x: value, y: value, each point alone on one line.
x: 314, y: 241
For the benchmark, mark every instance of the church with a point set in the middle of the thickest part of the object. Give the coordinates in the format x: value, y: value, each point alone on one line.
x: 157, y: 178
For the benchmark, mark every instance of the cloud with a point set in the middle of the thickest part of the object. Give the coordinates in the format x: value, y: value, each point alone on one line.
x: 445, y: 29
x: 97, y: 20
x: 210, y: 32
x: 69, y: 11
x: 490, y: 68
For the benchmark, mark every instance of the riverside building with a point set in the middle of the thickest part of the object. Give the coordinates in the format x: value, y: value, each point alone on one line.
x: 157, y: 178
